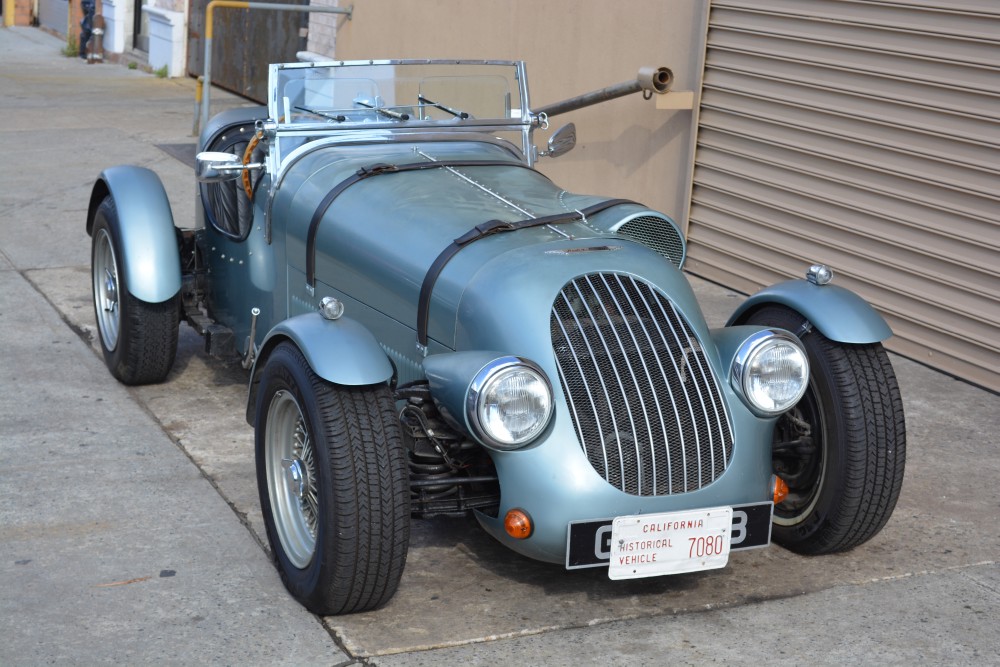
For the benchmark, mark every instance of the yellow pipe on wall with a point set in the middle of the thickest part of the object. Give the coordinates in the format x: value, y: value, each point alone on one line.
x: 209, y: 11
x: 204, y: 94
x: 8, y: 13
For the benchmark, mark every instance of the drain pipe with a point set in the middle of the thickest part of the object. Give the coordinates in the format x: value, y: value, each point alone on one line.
x: 203, y: 92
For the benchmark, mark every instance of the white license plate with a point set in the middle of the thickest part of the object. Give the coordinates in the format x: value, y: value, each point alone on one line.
x: 670, y: 543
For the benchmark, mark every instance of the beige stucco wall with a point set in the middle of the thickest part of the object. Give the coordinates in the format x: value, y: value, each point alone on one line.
x: 626, y: 147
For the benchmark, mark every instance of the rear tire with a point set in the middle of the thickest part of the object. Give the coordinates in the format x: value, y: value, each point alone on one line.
x: 842, y: 448
x: 333, y: 485
x: 138, y: 339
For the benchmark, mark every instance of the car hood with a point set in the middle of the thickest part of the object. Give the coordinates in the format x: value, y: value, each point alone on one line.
x: 376, y: 240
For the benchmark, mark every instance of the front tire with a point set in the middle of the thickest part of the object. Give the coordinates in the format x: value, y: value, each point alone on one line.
x: 332, y: 479
x: 842, y: 448
x: 138, y: 339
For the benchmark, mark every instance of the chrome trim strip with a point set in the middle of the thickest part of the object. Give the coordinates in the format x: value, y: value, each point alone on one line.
x: 396, y: 61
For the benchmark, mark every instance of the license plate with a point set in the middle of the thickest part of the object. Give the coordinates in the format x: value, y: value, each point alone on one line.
x: 670, y: 543
x: 588, y: 543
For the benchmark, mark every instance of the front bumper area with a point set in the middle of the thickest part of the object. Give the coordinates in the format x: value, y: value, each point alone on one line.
x: 556, y: 485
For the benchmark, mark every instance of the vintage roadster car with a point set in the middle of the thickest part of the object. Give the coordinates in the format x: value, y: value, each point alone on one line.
x: 432, y: 327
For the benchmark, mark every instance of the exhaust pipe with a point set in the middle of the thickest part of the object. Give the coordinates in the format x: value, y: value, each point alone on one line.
x: 649, y: 81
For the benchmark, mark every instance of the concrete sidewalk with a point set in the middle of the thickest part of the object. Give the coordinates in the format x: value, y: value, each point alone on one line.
x: 129, y: 526
x: 114, y: 548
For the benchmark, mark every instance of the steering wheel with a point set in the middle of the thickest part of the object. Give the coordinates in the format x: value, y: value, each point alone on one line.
x: 247, y: 154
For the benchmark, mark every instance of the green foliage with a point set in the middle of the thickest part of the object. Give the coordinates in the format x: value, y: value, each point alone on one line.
x: 133, y: 65
x: 72, y: 49
x: 161, y: 73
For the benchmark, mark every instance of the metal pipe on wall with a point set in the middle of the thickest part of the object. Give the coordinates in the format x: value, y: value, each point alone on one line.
x: 205, y: 87
x: 649, y: 80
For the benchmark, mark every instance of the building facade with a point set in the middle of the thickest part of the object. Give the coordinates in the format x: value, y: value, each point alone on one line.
x: 863, y: 135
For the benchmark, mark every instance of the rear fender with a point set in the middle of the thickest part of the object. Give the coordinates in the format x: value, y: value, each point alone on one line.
x: 838, y: 313
x: 146, y: 233
x: 340, y: 351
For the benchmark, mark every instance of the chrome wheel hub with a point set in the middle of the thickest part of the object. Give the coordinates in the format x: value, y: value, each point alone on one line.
x: 296, y: 477
x: 110, y: 292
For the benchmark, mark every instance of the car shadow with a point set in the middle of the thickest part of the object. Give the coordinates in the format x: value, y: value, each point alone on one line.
x: 502, y: 566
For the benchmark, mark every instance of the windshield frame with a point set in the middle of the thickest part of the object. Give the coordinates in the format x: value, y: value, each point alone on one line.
x: 518, y: 116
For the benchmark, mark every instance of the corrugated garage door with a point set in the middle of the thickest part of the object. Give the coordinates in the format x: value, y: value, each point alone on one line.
x: 864, y: 135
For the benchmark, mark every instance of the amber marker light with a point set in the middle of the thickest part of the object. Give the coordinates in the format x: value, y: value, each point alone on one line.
x: 779, y: 488
x: 517, y: 523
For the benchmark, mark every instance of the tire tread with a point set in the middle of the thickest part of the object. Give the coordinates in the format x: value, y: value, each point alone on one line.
x: 148, y: 333
x: 364, y: 545
x: 873, y: 447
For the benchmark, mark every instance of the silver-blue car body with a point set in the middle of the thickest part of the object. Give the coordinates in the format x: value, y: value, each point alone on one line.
x: 431, y: 326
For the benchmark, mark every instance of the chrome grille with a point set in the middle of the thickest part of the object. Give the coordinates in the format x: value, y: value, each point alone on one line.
x: 656, y: 233
x: 646, y: 407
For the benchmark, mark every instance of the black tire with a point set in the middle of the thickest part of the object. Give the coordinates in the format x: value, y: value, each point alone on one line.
x: 842, y: 448
x: 337, y: 513
x: 138, y: 339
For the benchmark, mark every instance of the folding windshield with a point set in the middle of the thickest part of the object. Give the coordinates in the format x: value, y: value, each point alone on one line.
x: 391, y: 93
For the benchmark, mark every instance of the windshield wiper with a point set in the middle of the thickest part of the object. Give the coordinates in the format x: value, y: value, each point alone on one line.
x: 339, y: 119
x: 454, y: 112
x: 385, y: 112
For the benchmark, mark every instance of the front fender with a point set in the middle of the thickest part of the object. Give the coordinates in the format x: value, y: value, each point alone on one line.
x: 838, y: 313
x: 150, y: 257
x: 340, y: 351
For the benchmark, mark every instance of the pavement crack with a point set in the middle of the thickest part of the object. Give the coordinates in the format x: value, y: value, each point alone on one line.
x: 966, y: 573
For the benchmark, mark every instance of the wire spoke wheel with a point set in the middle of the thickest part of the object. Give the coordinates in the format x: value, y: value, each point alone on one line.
x: 106, y: 289
x: 291, y: 479
x: 799, y: 458
x: 333, y: 485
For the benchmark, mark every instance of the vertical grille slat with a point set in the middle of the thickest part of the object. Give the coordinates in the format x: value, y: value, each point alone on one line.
x: 648, y: 443
x: 646, y: 407
x: 586, y: 387
x: 615, y: 394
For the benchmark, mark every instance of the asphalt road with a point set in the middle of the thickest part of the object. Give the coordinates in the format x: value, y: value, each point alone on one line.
x: 129, y: 525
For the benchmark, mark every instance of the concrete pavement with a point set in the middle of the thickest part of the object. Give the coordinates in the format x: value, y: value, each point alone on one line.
x: 129, y: 526
x: 114, y: 547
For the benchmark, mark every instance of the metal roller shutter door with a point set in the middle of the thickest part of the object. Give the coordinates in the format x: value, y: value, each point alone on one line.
x: 863, y: 135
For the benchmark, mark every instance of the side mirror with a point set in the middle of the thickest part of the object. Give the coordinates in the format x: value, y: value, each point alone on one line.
x: 212, y: 167
x: 562, y: 141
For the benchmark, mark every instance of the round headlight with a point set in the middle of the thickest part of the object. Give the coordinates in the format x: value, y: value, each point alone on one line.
x: 771, y: 372
x: 509, y: 403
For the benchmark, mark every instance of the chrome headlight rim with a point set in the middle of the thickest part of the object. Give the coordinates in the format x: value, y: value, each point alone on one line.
x: 748, y: 352
x: 481, y: 385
